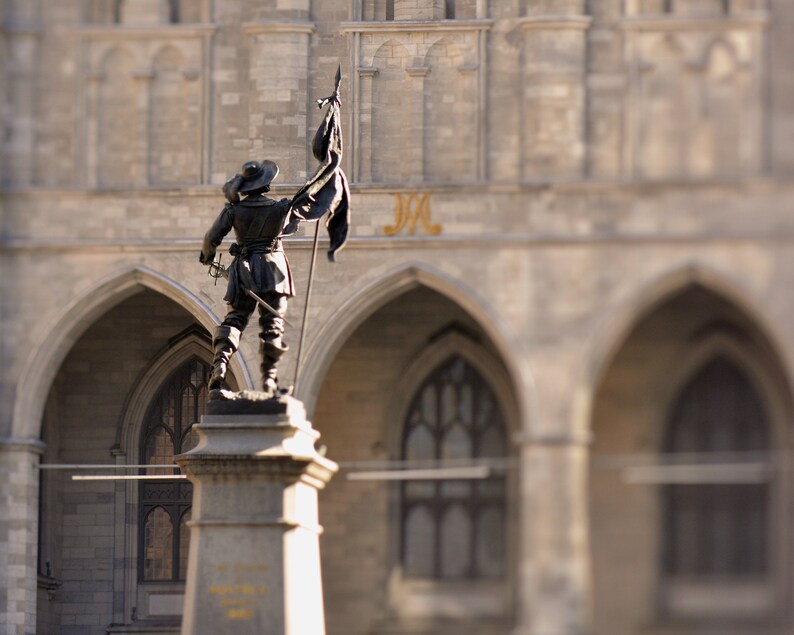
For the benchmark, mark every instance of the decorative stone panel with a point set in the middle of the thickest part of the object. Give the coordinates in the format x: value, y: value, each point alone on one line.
x: 146, y: 116
x: 694, y: 108
x: 418, y: 97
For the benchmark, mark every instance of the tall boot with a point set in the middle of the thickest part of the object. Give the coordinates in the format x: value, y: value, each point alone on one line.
x: 271, y: 350
x: 225, y: 342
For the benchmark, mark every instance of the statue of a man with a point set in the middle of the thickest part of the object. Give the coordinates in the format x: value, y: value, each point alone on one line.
x: 259, y: 274
x: 259, y: 265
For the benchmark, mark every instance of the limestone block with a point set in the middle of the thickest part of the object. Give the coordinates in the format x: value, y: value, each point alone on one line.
x: 419, y: 9
x: 145, y: 12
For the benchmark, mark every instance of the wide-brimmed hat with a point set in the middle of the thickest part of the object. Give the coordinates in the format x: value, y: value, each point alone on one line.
x: 257, y: 175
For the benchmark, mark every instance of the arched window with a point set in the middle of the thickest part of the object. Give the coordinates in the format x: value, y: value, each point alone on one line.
x: 453, y: 529
x: 716, y: 532
x: 165, y: 505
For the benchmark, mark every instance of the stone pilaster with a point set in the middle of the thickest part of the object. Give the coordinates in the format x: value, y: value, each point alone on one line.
x: 363, y: 125
x: 279, y: 76
x: 254, y: 564
x: 419, y: 10
x: 19, y: 498
x: 554, y: 581
x: 94, y: 81
x: 21, y: 30
x: 554, y: 98
x: 415, y: 154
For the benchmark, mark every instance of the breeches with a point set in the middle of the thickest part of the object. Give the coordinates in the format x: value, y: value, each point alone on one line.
x: 271, y: 327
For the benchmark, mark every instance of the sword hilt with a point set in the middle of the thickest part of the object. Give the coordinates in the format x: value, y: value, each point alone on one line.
x: 216, y: 270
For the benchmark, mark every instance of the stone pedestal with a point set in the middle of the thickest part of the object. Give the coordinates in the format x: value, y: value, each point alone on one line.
x: 254, y: 564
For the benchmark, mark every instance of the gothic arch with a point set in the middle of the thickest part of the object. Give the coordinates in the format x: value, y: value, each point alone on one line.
x: 71, y: 321
x: 616, y: 326
x: 440, y: 350
x: 387, y: 286
x: 137, y: 402
x: 645, y: 353
x: 765, y: 384
x: 414, y: 376
x: 720, y: 58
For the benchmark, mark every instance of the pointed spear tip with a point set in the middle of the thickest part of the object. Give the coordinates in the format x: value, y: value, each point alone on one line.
x: 338, y: 74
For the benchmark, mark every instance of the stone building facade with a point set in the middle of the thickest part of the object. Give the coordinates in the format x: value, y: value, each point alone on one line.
x: 571, y: 259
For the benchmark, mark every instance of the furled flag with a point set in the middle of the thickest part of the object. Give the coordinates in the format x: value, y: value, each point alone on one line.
x: 327, y: 191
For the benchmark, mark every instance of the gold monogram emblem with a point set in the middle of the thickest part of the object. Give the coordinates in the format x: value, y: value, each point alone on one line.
x: 410, y: 209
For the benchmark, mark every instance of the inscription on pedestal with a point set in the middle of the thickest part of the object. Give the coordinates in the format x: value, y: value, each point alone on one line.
x: 254, y: 566
x: 243, y: 595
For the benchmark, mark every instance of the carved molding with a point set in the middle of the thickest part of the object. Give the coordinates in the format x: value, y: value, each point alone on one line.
x: 556, y: 22
x: 417, y: 71
x: 22, y: 444
x: 275, y: 26
x: 754, y: 20
x: 146, y: 32
x: 407, y: 26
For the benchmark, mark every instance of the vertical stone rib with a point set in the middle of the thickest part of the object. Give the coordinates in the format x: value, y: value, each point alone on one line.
x: 19, y: 489
x: 279, y: 75
x: 554, y: 99
x: 22, y: 33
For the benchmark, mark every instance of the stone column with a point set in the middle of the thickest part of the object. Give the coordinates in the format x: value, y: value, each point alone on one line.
x: 94, y: 81
x: 363, y: 130
x: 139, y: 144
x: 22, y: 33
x: 19, y: 516
x: 279, y: 75
x: 419, y: 10
x: 254, y: 563
x: 554, y: 574
x: 414, y: 150
x: 554, y: 97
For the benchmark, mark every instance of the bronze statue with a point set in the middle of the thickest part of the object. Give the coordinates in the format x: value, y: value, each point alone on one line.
x: 259, y: 274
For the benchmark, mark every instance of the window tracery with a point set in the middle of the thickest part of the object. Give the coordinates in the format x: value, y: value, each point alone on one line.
x: 712, y: 531
x: 165, y: 505
x: 453, y: 529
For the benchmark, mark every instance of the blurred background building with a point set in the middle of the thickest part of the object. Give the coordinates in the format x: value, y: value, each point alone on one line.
x: 571, y: 267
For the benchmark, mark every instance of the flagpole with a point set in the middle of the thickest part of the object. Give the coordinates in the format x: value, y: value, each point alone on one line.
x: 306, y: 305
x: 320, y: 104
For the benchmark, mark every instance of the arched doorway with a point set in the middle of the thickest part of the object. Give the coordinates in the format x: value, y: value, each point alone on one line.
x: 418, y: 381
x: 686, y: 498
x: 138, y: 369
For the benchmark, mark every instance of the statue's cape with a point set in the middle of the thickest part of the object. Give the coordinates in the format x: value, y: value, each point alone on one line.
x: 327, y: 192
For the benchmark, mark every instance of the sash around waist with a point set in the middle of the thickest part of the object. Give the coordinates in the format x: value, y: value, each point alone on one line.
x: 256, y: 246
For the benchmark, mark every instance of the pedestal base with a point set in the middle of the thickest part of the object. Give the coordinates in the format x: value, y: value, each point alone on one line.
x: 254, y: 564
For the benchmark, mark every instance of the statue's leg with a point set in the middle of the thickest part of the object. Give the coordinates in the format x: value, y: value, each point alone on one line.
x: 226, y: 341
x: 271, y: 340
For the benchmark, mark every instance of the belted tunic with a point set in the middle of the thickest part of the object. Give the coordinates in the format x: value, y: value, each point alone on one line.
x: 259, y: 262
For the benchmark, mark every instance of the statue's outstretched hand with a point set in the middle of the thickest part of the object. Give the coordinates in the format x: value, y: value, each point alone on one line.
x: 206, y: 259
